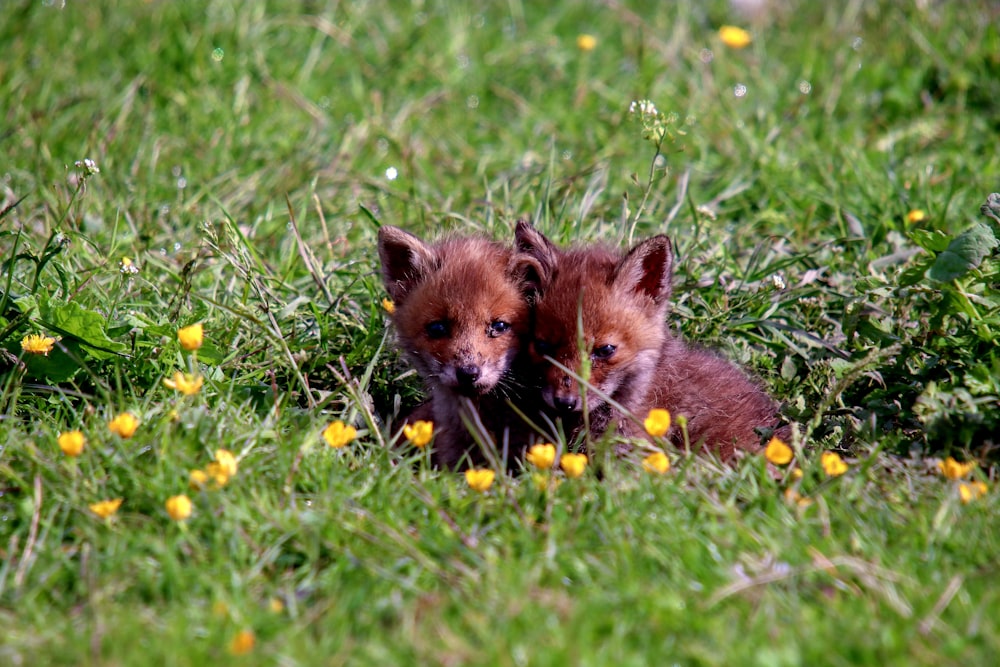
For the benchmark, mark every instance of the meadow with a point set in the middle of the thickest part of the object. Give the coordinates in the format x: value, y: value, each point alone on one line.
x: 825, y: 171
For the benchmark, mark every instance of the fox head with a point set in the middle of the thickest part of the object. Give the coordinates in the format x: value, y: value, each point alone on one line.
x: 599, y: 308
x: 460, y: 308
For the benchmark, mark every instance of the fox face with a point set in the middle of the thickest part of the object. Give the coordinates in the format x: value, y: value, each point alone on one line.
x: 596, y: 307
x: 460, y: 310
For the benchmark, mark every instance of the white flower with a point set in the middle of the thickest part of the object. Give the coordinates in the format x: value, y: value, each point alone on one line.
x: 643, y: 107
x: 88, y: 166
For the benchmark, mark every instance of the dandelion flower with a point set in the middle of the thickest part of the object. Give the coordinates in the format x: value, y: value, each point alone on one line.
x: 191, y: 337
x: 226, y: 461
x: 586, y: 42
x: 38, y: 344
x: 969, y: 491
x: 179, y: 507
x: 339, y: 434
x: 124, y: 425
x: 542, y: 456
x: 656, y: 462
x: 734, y: 37
x: 833, y: 465
x: 71, y: 443
x: 657, y: 422
x: 419, y: 433
x: 480, y: 479
x: 242, y: 642
x: 186, y: 383
x: 952, y: 469
x: 106, y: 508
x: 778, y: 453
x: 915, y: 216
x: 389, y: 306
x: 573, y: 464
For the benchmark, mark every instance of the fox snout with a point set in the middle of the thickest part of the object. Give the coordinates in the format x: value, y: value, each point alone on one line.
x: 562, y: 393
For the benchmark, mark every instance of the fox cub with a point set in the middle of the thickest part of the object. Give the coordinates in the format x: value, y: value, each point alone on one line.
x: 615, y: 306
x: 461, y: 315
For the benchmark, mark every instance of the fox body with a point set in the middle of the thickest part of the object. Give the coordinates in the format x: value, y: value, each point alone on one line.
x: 606, y: 309
x: 461, y: 316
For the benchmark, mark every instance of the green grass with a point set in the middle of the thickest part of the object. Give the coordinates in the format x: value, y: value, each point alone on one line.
x: 244, y: 153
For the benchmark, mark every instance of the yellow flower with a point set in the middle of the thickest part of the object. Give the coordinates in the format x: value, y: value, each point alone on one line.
x: 833, y: 465
x: 793, y: 497
x: 778, y: 453
x: 339, y: 434
x: 242, y: 643
x: 71, y: 443
x: 586, y: 42
x: 187, y: 384
x: 656, y: 462
x: 389, y: 306
x: 952, y: 469
x: 543, y: 480
x: 969, y: 491
x: 191, y: 337
x: 734, y: 37
x: 178, y: 507
x: 479, y: 479
x: 419, y: 432
x: 197, y: 479
x: 215, y: 472
x: 226, y: 461
x: 127, y: 267
x: 275, y: 605
x: 124, y: 425
x: 657, y: 422
x: 38, y: 344
x: 916, y: 215
x: 573, y: 464
x: 106, y: 508
x: 542, y: 456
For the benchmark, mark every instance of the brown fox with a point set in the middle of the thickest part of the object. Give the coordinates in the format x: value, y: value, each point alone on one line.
x: 461, y: 316
x: 615, y: 306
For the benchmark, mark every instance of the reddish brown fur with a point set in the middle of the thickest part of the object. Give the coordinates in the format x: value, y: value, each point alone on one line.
x: 624, y: 303
x: 449, y: 298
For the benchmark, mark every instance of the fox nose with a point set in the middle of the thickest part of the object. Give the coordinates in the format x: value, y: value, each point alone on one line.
x: 565, y: 403
x: 467, y: 375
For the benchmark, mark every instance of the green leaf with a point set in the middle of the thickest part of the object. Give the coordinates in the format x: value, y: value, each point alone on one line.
x: 935, y: 241
x: 70, y: 319
x: 963, y: 254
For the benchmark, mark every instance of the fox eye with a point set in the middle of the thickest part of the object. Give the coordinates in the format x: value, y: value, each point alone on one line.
x: 544, y: 348
x: 436, y: 329
x: 498, y: 327
x: 603, y: 352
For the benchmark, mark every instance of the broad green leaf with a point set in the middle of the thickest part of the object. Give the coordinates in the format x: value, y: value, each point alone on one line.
x: 72, y: 319
x: 963, y: 254
x: 935, y: 241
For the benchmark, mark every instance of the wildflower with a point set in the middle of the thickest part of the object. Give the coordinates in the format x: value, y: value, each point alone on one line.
x: 573, y: 464
x: 217, y: 474
x: 275, y: 605
x: 793, y: 497
x: 777, y: 452
x: 38, y: 344
x: 197, y: 480
x: 542, y: 455
x: 656, y: 462
x: 952, y: 469
x: 586, y: 42
x: 969, y: 491
x: 71, y: 443
x: 734, y: 37
x: 187, y: 384
x: 419, y: 432
x: 915, y: 216
x: 642, y: 108
x: 191, y: 337
x: 479, y: 479
x: 242, y: 643
x: 88, y: 166
x: 833, y: 465
x: 178, y: 507
x: 226, y: 461
x: 389, y: 306
x: 339, y: 434
x: 542, y: 481
x: 127, y: 267
x: 106, y: 508
x: 124, y: 425
x: 657, y: 422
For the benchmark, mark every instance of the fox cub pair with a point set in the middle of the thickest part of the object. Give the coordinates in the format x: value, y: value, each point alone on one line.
x: 489, y: 326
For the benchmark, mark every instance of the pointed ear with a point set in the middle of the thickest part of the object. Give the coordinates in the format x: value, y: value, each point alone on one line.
x: 648, y: 270
x: 406, y: 261
x: 534, y: 258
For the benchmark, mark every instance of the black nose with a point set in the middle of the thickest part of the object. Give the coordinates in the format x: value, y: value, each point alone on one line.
x: 567, y: 403
x: 467, y: 375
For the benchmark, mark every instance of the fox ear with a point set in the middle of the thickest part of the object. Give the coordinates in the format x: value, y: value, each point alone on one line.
x: 648, y: 269
x: 534, y: 260
x: 406, y: 261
